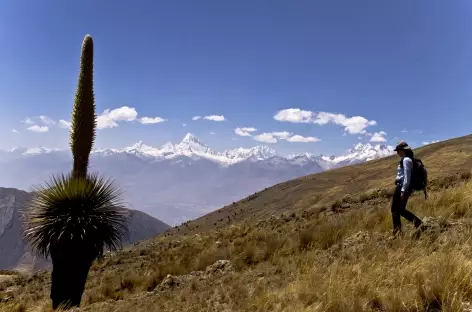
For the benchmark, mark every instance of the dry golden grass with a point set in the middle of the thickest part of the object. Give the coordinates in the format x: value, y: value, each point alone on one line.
x: 333, y: 261
x: 329, y: 256
x: 321, y: 190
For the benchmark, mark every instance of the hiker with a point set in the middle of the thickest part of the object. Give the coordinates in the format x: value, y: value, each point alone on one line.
x: 403, y: 189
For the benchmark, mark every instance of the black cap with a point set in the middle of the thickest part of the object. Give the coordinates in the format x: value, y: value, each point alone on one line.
x: 402, y: 145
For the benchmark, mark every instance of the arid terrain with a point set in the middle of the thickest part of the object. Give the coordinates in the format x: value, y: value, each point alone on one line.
x: 319, y: 243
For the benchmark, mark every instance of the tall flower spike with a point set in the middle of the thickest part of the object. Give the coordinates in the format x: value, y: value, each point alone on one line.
x: 83, y: 124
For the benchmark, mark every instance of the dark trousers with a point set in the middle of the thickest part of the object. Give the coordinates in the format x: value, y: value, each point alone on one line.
x: 399, y: 210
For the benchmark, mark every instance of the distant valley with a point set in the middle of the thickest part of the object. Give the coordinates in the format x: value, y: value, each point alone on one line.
x: 183, y: 181
x: 16, y: 254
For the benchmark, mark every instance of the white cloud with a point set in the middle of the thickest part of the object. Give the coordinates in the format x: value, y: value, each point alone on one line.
x: 14, y: 130
x: 42, y: 119
x: 295, y: 115
x: 215, y: 118
x: 379, y: 137
x: 28, y: 121
x: 360, y: 138
x: 352, y: 125
x: 246, y: 131
x: 427, y: 143
x: 266, y: 138
x: 184, y: 125
x: 210, y: 117
x: 273, y: 137
x: 212, y: 133
x: 37, y: 128
x: 283, y: 135
x: 46, y: 120
x: 64, y: 124
x: 302, y: 139
x: 149, y: 120
x: 109, y: 118
x: 404, y: 131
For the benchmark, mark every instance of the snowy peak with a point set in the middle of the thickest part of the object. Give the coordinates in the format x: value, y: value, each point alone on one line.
x: 168, y: 147
x: 138, y: 145
x: 262, y: 152
x: 191, y: 143
x: 193, y: 148
x: 384, y: 148
x: 302, y: 155
x: 256, y: 153
x: 360, y: 148
x: 142, y: 149
x: 364, y: 152
x: 191, y: 139
x: 307, y: 158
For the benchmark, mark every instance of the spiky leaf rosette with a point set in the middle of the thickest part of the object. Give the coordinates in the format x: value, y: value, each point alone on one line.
x: 83, y: 123
x: 67, y: 211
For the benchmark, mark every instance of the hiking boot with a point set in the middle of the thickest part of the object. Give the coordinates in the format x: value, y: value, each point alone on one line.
x: 420, y: 229
x: 396, y: 234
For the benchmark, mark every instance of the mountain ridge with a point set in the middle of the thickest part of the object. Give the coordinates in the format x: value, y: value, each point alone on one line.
x: 192, y: 147
x: 178, y: 182
x: 316, y: 242
x: 16, y: 253
x: 337, y: 189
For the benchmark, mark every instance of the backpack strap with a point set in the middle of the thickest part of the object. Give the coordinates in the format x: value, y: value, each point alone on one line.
x: 424, y: 190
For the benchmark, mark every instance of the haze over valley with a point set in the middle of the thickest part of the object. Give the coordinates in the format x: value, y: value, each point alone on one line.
x: 178, y: 182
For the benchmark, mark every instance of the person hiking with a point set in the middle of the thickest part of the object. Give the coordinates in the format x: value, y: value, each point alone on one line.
x: 403, y: 189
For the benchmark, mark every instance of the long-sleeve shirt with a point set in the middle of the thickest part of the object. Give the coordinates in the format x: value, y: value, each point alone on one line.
x: 404, y: 174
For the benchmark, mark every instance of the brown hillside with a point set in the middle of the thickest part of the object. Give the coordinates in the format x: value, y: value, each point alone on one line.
x: 343, y: 259
x: 317, y: 191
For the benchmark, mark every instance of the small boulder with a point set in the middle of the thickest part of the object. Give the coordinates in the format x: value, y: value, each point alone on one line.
x: 12, y: 290
x: 169, y: 282
x: 433, y: 224
x: 220, y: 266
x: 356, y: 239
x: 195, y: 273
x: 466, y: 306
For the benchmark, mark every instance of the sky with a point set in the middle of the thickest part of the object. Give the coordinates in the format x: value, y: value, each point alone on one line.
x: 299, y: 76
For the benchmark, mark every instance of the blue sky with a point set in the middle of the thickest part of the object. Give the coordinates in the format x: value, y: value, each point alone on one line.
x: 399, y: 65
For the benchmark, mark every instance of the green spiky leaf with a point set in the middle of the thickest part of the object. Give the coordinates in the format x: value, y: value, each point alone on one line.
x: 83, y: 123
x: 68, y: 211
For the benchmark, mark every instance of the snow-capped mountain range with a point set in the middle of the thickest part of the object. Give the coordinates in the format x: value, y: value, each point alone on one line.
x: 176, y: 182
x: 193, y: 148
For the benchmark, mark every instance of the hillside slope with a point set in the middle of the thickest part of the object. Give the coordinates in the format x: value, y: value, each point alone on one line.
x: 444, y: 161
x: 15, y: 253
x: 338, y: 259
